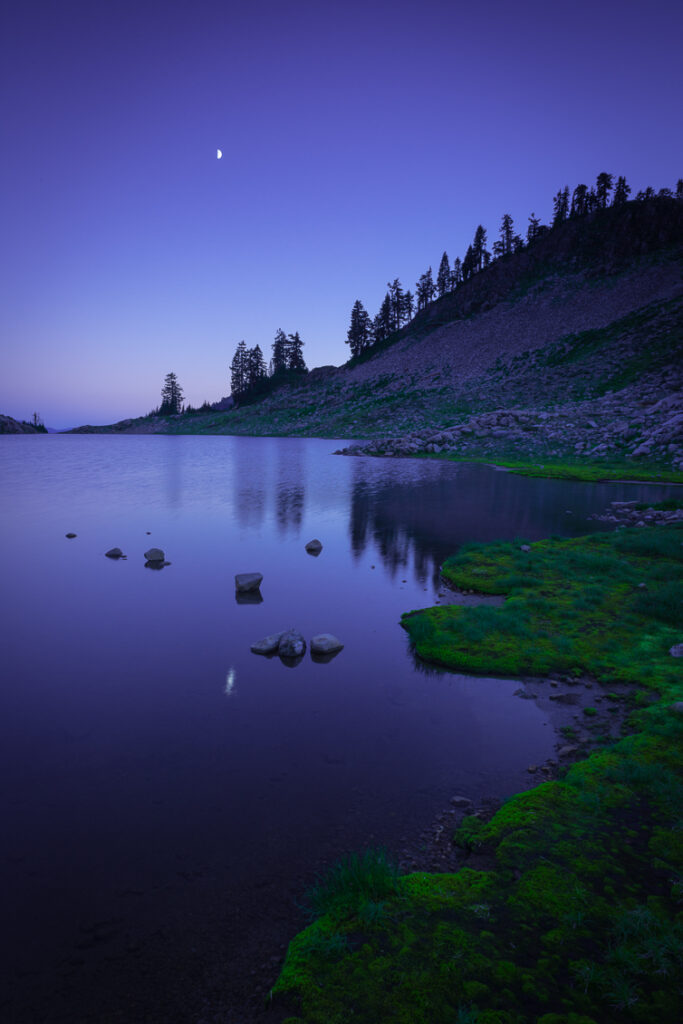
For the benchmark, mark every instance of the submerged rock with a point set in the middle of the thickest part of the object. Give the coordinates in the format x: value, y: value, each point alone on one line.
x: 245, y: 581
x: 114, y: 553
x: 155, y: 555
x: 325, y: 643
x: 291, y: 644
x: 268, y: 645
x: 314, y: 547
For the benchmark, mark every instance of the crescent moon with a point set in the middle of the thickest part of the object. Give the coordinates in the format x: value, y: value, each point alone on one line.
x: 219, y: 154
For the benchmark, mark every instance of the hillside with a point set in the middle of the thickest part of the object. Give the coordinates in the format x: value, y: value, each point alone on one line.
x: 8, y: 425
x: 572, y: 347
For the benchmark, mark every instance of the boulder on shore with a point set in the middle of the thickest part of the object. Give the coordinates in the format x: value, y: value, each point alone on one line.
x: 325, y: 643
x: 245, y: 581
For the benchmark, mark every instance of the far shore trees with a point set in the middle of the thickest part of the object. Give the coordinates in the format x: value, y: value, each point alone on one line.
x: 171, y: 396
x: 249, y: 374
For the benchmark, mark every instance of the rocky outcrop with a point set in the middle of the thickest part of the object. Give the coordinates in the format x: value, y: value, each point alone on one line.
x: 8, y: 425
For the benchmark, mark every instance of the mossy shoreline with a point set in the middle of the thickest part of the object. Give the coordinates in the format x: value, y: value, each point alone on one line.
x: 568, y: 906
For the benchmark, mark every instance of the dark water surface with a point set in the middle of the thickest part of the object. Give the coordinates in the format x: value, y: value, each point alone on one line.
x: 165, y: 791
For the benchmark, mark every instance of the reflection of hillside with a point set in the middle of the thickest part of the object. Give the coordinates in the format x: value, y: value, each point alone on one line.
x: 424, y: 511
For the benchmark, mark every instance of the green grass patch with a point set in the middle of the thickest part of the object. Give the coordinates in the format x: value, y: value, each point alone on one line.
x: 570, y: 604
x: 577, y: 918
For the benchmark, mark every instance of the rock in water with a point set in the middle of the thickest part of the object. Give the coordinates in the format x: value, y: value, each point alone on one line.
x: 114, y: 553
x: 325, y: 643
x: 268, y: 645
x: 70, y: 536
x: 248, y: 581
x: 314, y: 547
x: 155, y: 555
x: 291, y: 645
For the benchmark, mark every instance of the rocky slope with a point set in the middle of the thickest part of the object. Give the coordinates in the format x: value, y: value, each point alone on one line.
x: 572, y: 348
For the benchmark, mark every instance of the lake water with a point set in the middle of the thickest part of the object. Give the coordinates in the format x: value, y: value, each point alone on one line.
x: 167, y: 795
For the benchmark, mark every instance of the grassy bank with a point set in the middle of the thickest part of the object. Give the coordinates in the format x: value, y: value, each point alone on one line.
x: 568, y: 907
x: 589, y: 470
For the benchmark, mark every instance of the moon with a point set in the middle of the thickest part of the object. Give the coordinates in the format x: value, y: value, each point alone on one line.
x: 219, y: 154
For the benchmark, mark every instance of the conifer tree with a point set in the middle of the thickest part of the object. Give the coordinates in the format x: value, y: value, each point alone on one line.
x: 256, y: 368
x: 561, y: 206
x: 408, y: 306
x: 279, y: 348
x: 171, y: 396
x: 480, y: 253
x: 621, y: 192
x: 580, y: 201
x: 507, y: 233
x: 443, y: 277
x: 456, y: 273
x: 382, y: 324
x: 239, y: 370
x: 295, y: 355
x: 679, y: 189
x: 533, y: 231
x: 396, y: 301
x: 468, y: 265
x: 603, y: 187
x: 360, y: 330
x: 425, y: 289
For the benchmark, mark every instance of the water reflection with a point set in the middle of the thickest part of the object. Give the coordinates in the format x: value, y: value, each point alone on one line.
x: 291, y: 483
x: 230, y: 683
x: 251, y: 475
x: 173, y: 458
x: 420, y: 512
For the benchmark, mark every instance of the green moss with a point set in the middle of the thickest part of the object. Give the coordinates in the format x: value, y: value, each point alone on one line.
x: 577, y: 920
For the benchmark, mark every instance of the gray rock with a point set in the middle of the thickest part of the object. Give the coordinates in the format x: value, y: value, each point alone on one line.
x: 677, y: 707
x: 70, y: 536
x: 525, y: 547
x: 291, y: 645
x: 566, y: 751
x: 114, y: 553
x: 268, y: 645
x: 314, y: 547
x: 325, y: 643
x: 248, y: 581
x: 676, y: 651
x: 461, y: 801
x: 155, y: 555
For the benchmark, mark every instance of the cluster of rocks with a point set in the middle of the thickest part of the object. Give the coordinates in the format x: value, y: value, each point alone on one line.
x: 290, y: 644
x: 611, y: 427
x: 631, y: 513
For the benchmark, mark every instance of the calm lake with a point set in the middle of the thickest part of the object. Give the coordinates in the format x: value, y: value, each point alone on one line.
x: 168, y: 795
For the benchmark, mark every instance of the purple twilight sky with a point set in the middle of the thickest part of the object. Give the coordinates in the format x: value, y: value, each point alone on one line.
x: 359, y: 139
